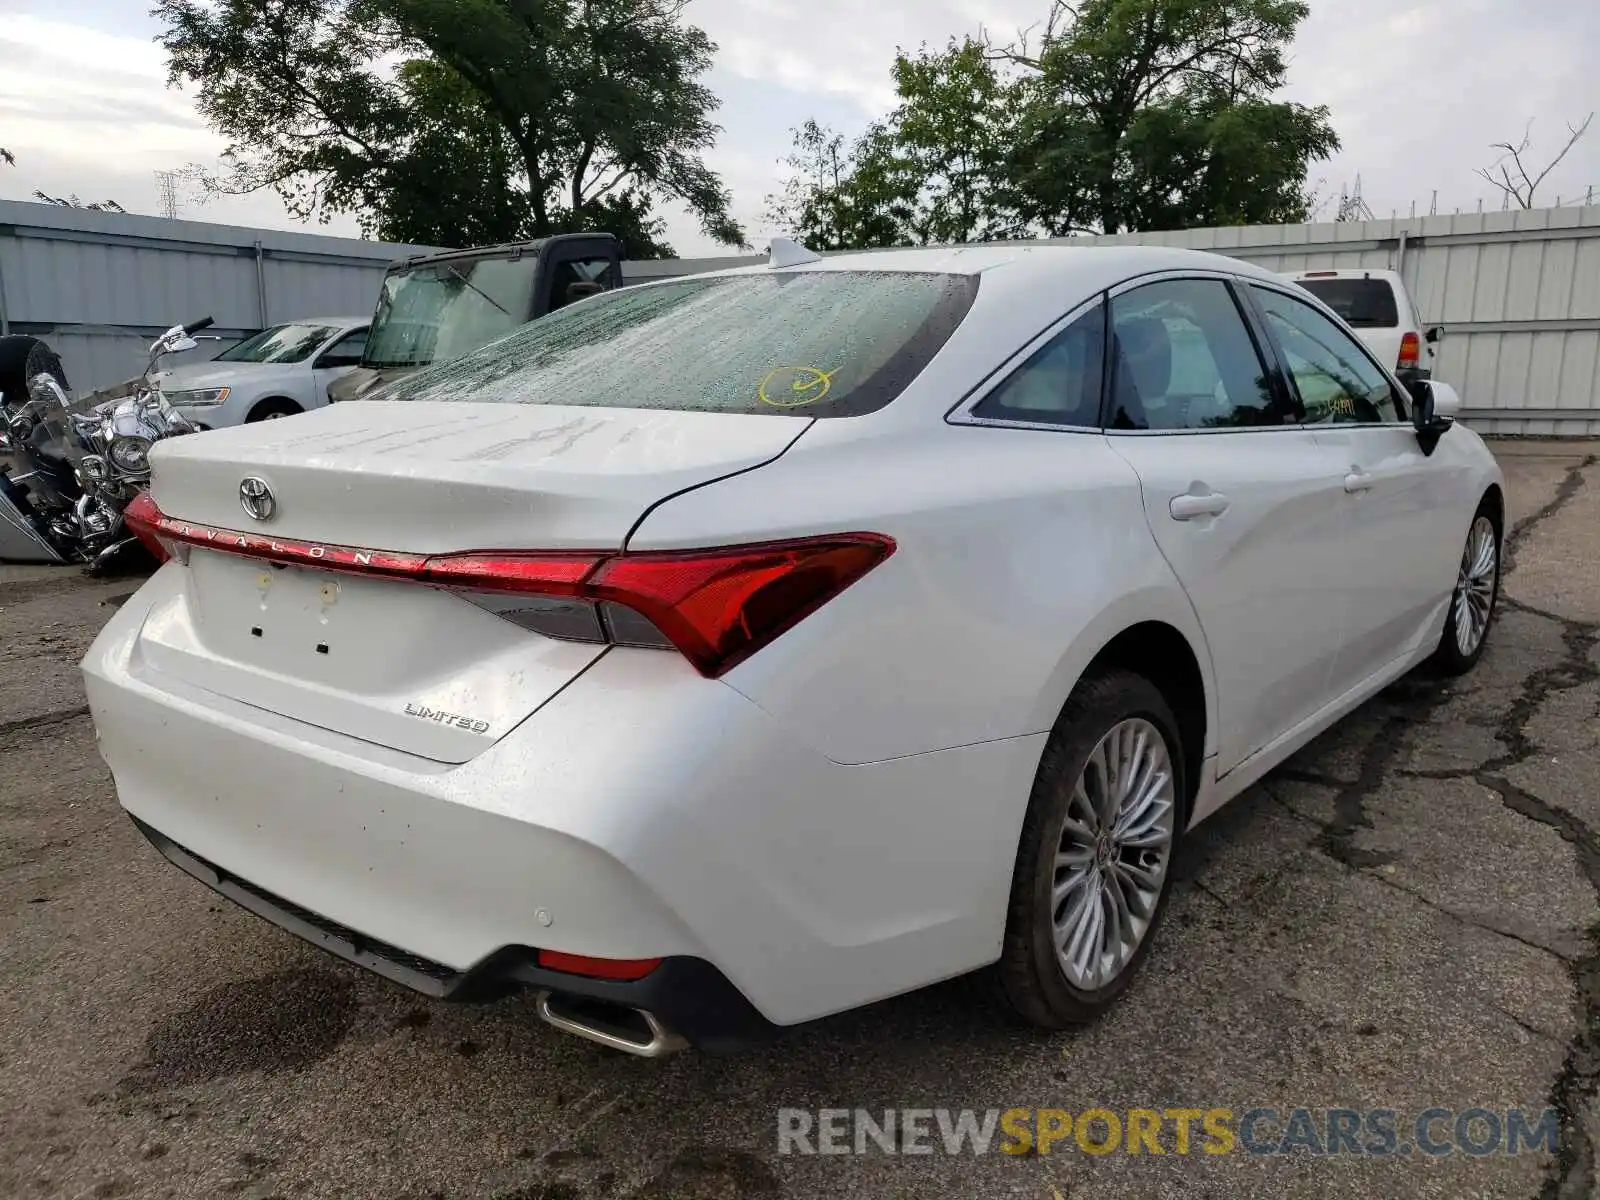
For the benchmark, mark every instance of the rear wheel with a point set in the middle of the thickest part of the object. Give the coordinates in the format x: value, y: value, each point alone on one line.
x: 272, y: 410
x: 1094, y: 864
x: 1472, y: 605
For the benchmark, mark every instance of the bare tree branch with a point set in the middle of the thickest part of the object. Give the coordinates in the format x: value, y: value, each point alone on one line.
x: 1019, y: 52
x: 1522, y: 187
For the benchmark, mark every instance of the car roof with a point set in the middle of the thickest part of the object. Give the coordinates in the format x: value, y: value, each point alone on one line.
x: 1345, y: 273
x: 1022, y: 267
x: 363, y: 320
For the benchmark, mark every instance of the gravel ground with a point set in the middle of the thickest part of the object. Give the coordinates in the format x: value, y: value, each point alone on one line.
x: 1403, y: 917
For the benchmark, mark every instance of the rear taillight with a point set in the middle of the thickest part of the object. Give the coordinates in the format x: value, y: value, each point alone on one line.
x: 717, y: 607
x: 141, y: 517
x: 1410, y: 352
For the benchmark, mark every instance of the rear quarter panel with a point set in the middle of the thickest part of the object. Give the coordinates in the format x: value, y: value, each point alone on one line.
x: 1020, y: 554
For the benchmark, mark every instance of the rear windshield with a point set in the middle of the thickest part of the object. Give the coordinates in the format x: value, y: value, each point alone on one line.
x: 1363, y: 303
x: 811, y: 344
x: 283, y: 344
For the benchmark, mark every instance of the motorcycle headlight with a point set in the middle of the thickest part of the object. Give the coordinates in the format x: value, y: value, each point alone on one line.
x: 92, y: 468
x: 198, y: 398
x: 130, y: 454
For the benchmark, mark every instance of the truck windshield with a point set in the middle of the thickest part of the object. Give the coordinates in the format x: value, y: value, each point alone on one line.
x: 437, y: 311
x: 806, y: 344
x: 1363, y: 303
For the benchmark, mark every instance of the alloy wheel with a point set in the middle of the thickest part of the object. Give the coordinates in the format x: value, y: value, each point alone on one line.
x: 1112, y: 856
x: 1475, y: 587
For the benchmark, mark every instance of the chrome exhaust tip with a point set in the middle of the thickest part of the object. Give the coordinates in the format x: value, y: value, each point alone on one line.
x: 112, y: 551
x: 630, y: 1030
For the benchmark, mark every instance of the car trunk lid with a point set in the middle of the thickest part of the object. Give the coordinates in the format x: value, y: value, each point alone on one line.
x: 402, y: 664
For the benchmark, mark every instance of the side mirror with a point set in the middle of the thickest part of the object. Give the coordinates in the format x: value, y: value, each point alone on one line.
x: 1434, y: 334
x: 1433, y: 404
x: 1446, y: 400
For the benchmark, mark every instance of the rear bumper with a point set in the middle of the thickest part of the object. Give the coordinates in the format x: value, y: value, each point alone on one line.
x: 642, y: 812
x: 689, y: 995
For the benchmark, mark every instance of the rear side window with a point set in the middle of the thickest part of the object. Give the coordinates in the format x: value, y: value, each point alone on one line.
x: 1060, y: 383
x: 1360, y: 303
x: 809, y: 344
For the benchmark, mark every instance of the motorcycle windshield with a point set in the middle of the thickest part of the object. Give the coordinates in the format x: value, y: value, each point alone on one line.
x: 54, y: 438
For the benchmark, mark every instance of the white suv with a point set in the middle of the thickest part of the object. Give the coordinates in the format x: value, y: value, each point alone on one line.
x: 1375, y: 304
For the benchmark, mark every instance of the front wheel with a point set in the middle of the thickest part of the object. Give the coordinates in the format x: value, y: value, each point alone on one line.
x: 273, y: 410
x: 1094, y: 864
x: 1473, y: 603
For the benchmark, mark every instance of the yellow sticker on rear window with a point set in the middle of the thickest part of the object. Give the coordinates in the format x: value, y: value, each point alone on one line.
x: 794, y: 387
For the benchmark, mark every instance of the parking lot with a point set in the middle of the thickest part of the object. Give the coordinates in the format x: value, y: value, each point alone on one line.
x: 1404, y: 917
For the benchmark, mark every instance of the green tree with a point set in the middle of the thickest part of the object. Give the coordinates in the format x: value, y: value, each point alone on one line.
x: 503, y: 119
x: 932, y: 171
x: 1140, y: 114
x: 828, y: 201
x: 455, y: 179
x: 941, y: 155
x: 1125, y: 115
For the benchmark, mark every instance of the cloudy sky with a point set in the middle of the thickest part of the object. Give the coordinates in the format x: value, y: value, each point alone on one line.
x: 1418, y: 91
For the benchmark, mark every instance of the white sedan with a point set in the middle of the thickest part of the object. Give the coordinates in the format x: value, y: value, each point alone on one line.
x: 275, y: 373
x: 717, y: 654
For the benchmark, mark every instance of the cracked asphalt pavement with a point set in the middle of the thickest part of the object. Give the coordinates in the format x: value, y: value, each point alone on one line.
x: 1405, y: 916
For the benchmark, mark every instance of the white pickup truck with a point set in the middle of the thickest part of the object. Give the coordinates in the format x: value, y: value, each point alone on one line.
x: 1375, y: 305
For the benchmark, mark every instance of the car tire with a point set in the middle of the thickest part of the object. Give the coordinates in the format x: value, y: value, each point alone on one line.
x: 1475, y: 599
x: 1102, y: 720
x: 271, y: 410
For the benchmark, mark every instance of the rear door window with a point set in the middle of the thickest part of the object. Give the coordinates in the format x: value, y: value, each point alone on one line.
x: 1360, y: 303
x: 1184, y: 359
x: 806, y: 343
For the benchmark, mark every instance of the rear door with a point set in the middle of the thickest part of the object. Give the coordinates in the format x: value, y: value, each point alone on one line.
x: 1240, y: 497
x: 1402, y: 509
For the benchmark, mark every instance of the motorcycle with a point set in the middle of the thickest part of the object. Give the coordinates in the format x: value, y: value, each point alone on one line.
x: 21, y: 358
x: 79, y: 470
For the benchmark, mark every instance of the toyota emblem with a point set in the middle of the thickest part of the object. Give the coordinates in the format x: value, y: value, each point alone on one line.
x: 256, y: 498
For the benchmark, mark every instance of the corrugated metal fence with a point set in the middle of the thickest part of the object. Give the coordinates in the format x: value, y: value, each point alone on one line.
x: 1518, y: 293
x: 100, y: 287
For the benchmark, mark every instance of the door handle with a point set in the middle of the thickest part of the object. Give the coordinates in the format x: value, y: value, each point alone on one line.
x: 1357, y: 481
x: 1189, y: 507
